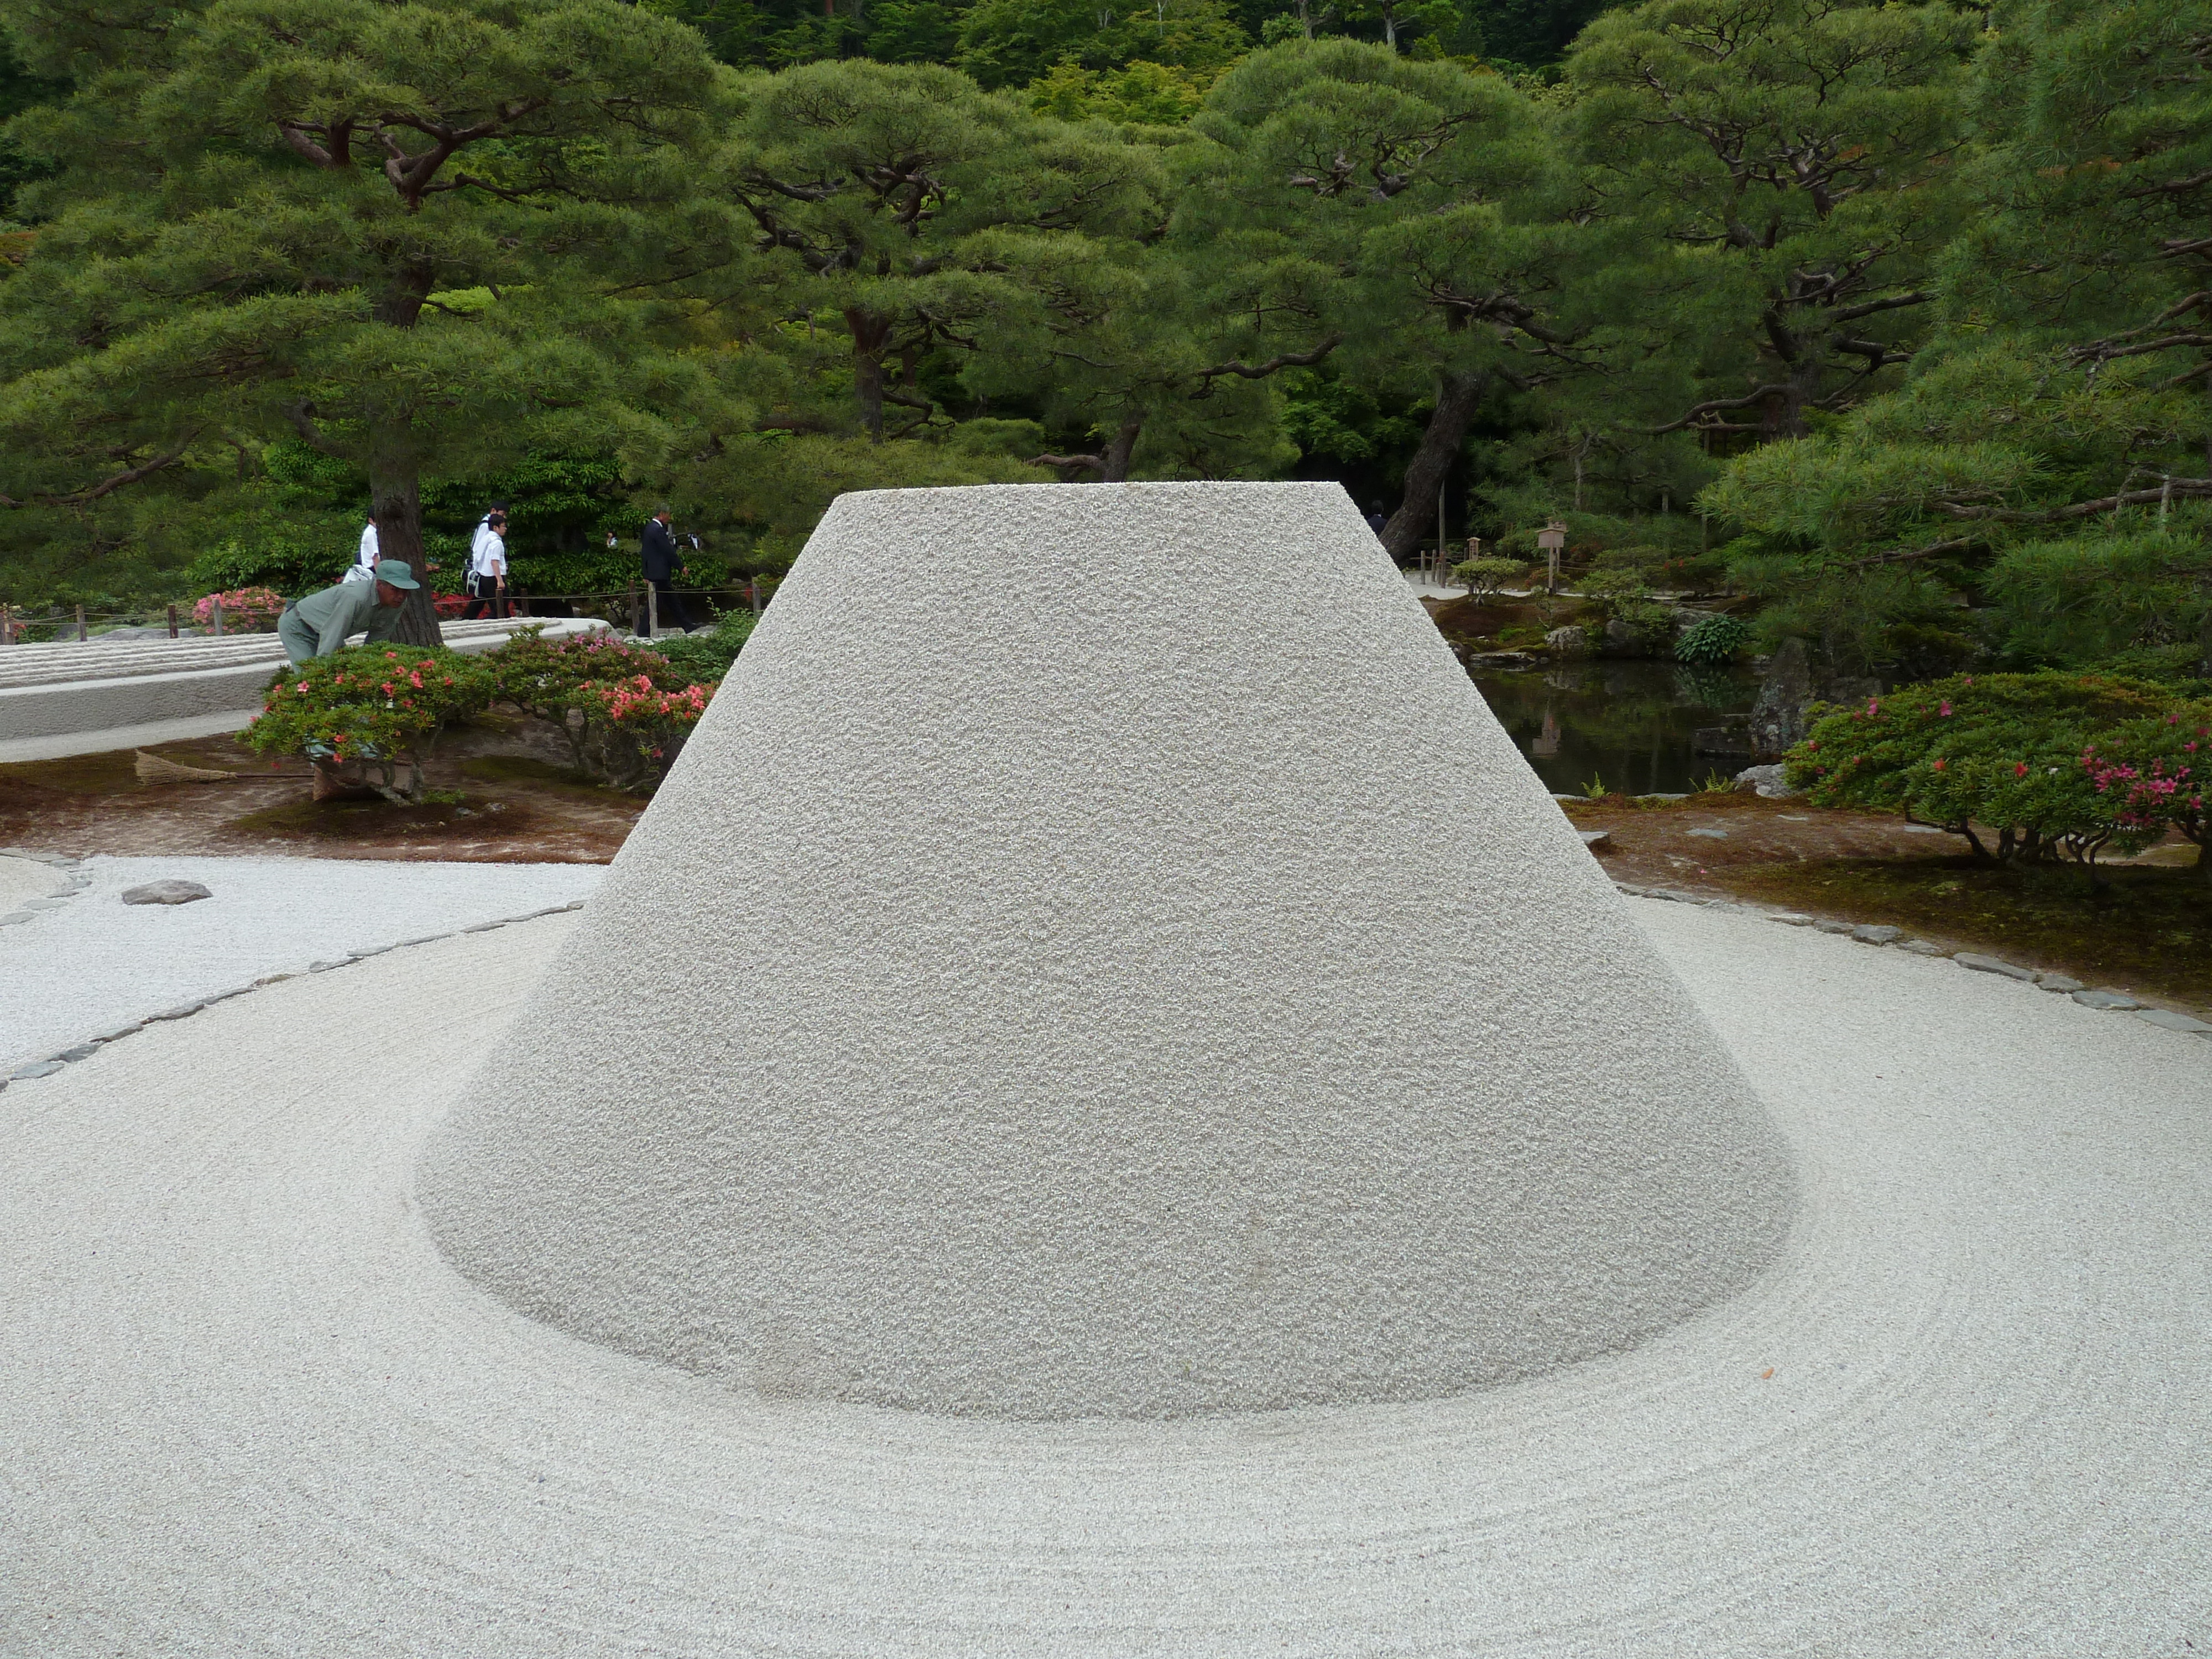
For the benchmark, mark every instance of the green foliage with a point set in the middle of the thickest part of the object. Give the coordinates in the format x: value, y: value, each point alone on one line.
x: 254, y: 231
x: 1995, y: 752
x: 381, y: 705
x: 706, y: 658
x: 1484, y: 578
x: 1713, y: 640
x: 620, y: 706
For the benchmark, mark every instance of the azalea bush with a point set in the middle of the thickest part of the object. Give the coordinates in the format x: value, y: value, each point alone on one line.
x: 245, y: 610
x: 2151, y: 776
x: 623, y: 709
x: 381, y: 705
x: 640, y: 727
x: 2022, y: 766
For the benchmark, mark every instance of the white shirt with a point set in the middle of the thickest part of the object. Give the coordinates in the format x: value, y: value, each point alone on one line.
x: 364, y: 564
x: 489, y: 556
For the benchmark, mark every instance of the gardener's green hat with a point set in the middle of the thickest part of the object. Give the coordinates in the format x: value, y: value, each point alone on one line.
x: 398, y: 572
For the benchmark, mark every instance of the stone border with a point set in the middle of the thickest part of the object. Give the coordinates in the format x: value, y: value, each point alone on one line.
x: 92, y: 1045
x: 2106, y: 999
x: 78, y: 881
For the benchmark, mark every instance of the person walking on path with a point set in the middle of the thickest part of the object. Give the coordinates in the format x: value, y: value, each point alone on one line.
x: 363, y: 569
x: 658, y: 545
x: 487, y: 569
x: 319, y: 624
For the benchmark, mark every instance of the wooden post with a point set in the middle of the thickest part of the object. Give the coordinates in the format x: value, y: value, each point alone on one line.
x: 81, y: 635
x: 218, y: 619
x: 652, y: 608
x: 7, y: 626
x: 172, y: 622
x: 752, y: 593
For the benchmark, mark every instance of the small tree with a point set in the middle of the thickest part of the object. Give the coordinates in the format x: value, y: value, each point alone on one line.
x: 1485, y: 579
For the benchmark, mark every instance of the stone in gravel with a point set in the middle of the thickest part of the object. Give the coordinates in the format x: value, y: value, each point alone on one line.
x: 2106, y: 1001
x: 44, y: 903
x: 185, y: 1012
x: 1827, y: 925
x: 1709, y: 835
x: 2169, y: 1020
x: 1790, y: 918
x: 120, y: 1031
x: 44, y: 1068
x: 483, y: 927
x: 82, y: 1051
x: 1923, y: 947
x: 1982, y: 964
x: 1877, y: 933
x: 324, y: 967
x: 573, y: 904
x: 166, y: 893
x: 14, y: 917
x: 2058, y: 982
x: 1594, y: 837
x: 1556, y: 795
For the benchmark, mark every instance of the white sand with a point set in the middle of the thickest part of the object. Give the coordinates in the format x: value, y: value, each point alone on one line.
x: 96, y: 963
x: 27, y: 878
x: 249, y: 1410
x: 1045, y: 1059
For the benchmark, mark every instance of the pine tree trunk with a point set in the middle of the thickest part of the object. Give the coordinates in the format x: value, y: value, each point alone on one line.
x: 1117, y: 453
x: 870, y: 334
x: 1457, y: 397
x: 397, y: 494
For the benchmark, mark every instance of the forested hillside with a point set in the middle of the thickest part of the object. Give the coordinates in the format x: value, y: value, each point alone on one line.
x: 1893, y: 317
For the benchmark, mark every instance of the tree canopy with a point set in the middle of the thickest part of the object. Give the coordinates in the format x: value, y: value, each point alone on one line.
x: 1894, y: 315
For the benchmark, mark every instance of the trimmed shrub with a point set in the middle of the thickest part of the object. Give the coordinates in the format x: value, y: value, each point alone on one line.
x: 2003, y: 760
x: 382, y: 706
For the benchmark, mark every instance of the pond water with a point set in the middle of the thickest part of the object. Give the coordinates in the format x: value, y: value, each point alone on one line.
x: 1629, y: 725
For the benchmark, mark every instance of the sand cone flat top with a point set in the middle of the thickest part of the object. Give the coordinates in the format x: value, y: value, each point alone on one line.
x: 1098, y: 956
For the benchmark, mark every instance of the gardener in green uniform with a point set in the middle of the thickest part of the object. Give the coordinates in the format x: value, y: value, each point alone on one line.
x: 317, y: 625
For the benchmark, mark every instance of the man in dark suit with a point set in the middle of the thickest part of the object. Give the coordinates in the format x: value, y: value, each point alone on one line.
x: 662, y: 566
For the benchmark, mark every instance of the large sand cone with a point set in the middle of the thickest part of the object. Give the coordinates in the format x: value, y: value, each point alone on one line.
x: 1099, y: 956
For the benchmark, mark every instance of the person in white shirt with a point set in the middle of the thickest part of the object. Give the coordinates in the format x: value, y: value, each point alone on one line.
x: 364, y: 563
x: 487, y: 569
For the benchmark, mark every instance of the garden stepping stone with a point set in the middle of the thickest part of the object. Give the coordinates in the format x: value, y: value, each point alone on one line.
x: 2058, y: 982
x: 1982, y: 964
x: 1877, y: 933
x: 1594, y: 838
x: 165, y: 892
x: 1923, y: 947
x: 1827, y: 924
x: 44, y: 1068
x: 2166, y: 1018
x: 2107, y: 1000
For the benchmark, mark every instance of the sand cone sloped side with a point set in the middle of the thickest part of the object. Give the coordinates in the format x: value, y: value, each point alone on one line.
x: 1098, y: 956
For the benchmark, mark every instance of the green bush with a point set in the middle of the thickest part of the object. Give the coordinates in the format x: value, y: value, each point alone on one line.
x: 1483, y: 577
x: 707, y: 657
x: 380, y: 705
x: 623, y: 709
x: 1713, y: 642
x: 2008, y: 756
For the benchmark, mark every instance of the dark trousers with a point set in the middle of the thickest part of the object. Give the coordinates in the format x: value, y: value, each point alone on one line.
x: 672, y: 607
x: 484, y: 598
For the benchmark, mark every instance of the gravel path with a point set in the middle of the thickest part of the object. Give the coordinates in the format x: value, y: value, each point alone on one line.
x: 93, y: 961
